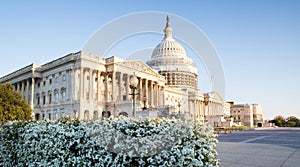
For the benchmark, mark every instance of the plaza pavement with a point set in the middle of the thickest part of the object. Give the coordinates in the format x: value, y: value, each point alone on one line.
x: 233, y: 154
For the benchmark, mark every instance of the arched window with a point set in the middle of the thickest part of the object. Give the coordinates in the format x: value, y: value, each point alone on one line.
x: 49, y: 97
x: 95, y: 114
x: 37, y: 116
x: 37, y: 99
x: 75, y: 114
x: 63, y: 94
x: 56, y: 96
x: 123, y: 114
x: 86, y: 114
x: 106, y: 114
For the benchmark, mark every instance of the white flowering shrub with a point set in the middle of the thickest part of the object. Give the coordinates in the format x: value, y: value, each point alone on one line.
x: 109, y: 142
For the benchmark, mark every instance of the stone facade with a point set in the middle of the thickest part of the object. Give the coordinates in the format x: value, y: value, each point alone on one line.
x: 247, y: 114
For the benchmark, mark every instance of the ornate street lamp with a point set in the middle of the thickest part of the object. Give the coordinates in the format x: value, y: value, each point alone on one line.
x: 179, y: 107
x: 134, y: 82
x: 144, y: 100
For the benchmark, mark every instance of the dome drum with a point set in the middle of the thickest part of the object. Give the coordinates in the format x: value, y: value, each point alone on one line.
x: 170, y: 58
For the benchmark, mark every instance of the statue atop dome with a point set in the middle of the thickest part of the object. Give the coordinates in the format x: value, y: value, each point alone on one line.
x: 168, y: 30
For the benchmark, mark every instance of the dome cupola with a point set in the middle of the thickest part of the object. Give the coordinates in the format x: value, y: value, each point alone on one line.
x: 170, y: 59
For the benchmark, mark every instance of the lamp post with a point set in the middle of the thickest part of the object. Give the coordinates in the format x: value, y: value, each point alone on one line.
x: 179, y: 107
x: 134, y: 82
x: 144, y: 100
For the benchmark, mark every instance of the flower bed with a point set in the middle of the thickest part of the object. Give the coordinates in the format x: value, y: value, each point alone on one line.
x: 110, y: 142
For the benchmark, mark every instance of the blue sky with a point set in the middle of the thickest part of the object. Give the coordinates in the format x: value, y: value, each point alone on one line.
x: 257, y: 41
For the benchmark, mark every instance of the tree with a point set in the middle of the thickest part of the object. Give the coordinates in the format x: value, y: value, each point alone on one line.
x: 279, y: 121
x: 293, y: 121
x: 13, y: 106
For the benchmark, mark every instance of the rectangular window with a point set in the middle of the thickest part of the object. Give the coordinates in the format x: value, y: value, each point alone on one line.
x: 38, y: 100
x: 64, y: 77
x: 56, y: 79
x: 50, y: 81
x: 50, y: 98
x: 54, y: 114
x: 44, y: 83
x: 62, y: 111
x: 56, y: 97
x: 63, y: 95
x: 44, y: 99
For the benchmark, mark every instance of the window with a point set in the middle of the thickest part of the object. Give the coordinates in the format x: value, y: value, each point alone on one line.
x: 54, y: 114
x: 95, y: 115
x: 56, y: 79
x: 50, y: 81
x: 63, y: 94
x: 44, y: 83
x: 64, y: 77
x: 62, y: 111
x: 50, y: 97
x: 56, y: 96
x: 86, y: 114
x: 44, y: 99
x: 39, y: 84
x: 38, y: 99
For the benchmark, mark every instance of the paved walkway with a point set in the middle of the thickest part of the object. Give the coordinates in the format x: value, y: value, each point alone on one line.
x: 257, y: 155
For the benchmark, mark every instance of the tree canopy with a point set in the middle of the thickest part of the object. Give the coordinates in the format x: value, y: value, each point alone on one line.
x: 13, y: 106
x: 290, y: 121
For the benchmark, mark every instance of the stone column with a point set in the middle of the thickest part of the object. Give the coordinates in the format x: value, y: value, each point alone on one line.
x: 32, y: 94
x: 22, y: 88
x: 151, y: 93
x: 113, y: 90
x: 127, y: 87
x: 91, y: 86
x: 163, y: 96
x: 140, y: 91
x: 27, y: 89
x: 120, y: 86
x: 81, y: 83
x: 195, y: 108
x: 156, y: 94
x: 71, y: 91
x: 18, y: 86
x: 106, y: 87
x: 146, y: 93
x: 99, y: 84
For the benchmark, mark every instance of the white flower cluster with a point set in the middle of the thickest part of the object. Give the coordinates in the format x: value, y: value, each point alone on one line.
x: 109, y: 142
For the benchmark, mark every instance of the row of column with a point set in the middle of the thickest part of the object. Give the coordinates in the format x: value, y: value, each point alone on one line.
x: 20, y: 87
x: 146, y: 88
x: 198, y: 107
x: 215, y: 109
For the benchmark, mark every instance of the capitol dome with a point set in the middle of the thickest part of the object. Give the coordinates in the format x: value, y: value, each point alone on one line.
x: 171, y: 61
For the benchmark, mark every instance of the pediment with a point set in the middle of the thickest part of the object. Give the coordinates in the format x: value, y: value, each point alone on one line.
x: 139, y: 66
x: 215, y: 95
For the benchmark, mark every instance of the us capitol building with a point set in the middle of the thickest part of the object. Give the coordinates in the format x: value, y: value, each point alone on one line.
x: 88, y: 86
